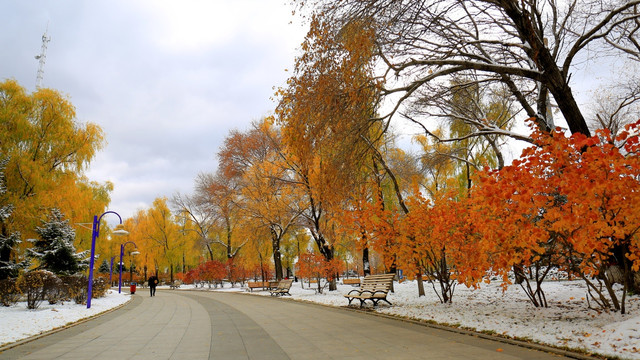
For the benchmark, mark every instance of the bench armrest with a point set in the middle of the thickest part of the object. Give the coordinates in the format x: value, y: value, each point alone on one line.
x: 372, y: 293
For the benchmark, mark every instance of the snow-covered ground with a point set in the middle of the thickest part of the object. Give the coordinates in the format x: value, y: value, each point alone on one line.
x: 19, y: 323
x: 567, y: 322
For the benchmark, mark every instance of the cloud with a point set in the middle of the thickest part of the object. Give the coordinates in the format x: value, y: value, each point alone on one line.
x: 165, y: 80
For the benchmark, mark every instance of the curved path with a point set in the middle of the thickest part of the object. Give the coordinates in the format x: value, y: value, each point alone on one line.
x: 216, y: 325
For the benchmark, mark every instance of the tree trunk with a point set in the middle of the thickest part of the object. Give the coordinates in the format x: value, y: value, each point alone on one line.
x: 261, y: 266
x: 420, y: 284
x: 210, y: 251
x: 366, y: 266
x: 554, y: 78
x: 229, y: 255
x: 277, y: 258
x: 327, y: 252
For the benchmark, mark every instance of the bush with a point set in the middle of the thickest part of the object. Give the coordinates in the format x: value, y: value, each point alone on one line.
x: 9, y: 292
x: 100, y: 287
x: 54, y: 289
x: 76, y: 286
x: 34, y: 284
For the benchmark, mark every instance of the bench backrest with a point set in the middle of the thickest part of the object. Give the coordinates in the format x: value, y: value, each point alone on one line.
x: 285, y: 284
x: 380, y: 282
x: 351, y: 281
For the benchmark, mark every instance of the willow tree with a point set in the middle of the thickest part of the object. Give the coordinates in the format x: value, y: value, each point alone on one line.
x: 267, y: 197
x: 323, y: 113
x: 49, y: 151
x: 159, y: 238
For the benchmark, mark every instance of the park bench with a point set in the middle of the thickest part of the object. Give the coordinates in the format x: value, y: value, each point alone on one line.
x: 374, y: 288
x: 283, y: 288
x: 175, y: 284
x: 257, y: 285
x: 264, y: 285
x: 352, y: 282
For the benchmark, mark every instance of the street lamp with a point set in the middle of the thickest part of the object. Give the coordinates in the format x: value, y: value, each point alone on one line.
x: 94, y: 235
x: 122, y: 253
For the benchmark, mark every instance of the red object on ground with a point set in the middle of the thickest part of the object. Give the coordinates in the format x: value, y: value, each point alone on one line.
x: 132, y: 288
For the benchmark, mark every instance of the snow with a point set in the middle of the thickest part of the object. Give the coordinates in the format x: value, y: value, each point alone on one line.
x: 19, y: 323
x: 566, y: 323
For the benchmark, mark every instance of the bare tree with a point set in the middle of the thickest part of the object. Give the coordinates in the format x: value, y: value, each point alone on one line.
x: 217, y: 193
x: 617, y: 105
x: 529, y: 47
x: 196, y: 215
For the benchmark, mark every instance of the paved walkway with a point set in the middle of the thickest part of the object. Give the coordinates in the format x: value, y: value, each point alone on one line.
x: 215, y: 325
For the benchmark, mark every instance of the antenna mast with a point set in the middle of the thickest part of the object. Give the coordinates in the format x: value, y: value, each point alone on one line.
x: 42, y: 57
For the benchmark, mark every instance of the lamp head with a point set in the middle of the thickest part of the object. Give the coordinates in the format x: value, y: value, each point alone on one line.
x: 120, y: 231
x: 135, y: 252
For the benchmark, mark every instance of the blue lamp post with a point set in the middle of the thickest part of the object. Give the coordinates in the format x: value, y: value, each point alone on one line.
x: 122, y: 253
x: 94, y: 235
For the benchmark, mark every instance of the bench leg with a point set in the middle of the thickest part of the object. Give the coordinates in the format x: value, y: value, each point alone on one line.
x: 350, y: 300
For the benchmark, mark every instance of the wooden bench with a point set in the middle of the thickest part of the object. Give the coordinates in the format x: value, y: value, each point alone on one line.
x: 175, y: 285
x: 264, y: 285
x: 374, y: 288
x: 352, y: 282
x: 283, y: 288
x: 257, y: 284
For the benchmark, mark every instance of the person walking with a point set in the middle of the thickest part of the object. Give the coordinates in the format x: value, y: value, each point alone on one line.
x: 153, y: 282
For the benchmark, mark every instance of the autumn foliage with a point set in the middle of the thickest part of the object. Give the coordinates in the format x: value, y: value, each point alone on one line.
x: 571, y: 202
x: 314, y: 266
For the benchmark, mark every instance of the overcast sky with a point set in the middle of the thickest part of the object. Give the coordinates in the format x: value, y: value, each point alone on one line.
x: 166, y: 80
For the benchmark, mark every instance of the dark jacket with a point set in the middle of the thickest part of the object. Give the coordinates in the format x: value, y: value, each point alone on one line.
x: 153, y: 281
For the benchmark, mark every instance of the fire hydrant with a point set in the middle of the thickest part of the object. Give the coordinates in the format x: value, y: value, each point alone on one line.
x: 132, y: 288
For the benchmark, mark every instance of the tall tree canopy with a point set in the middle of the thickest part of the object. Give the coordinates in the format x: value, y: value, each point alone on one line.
x: 49, y: 151
x: 528, y: 49
x: 162, y: 243
x: 323, y: 113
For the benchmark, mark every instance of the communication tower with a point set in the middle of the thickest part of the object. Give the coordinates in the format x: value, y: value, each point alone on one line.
x: 42, y: 57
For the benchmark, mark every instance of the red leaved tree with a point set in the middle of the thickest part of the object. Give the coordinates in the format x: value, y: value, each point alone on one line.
x: 315, y: 266
x: 572, y: 202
